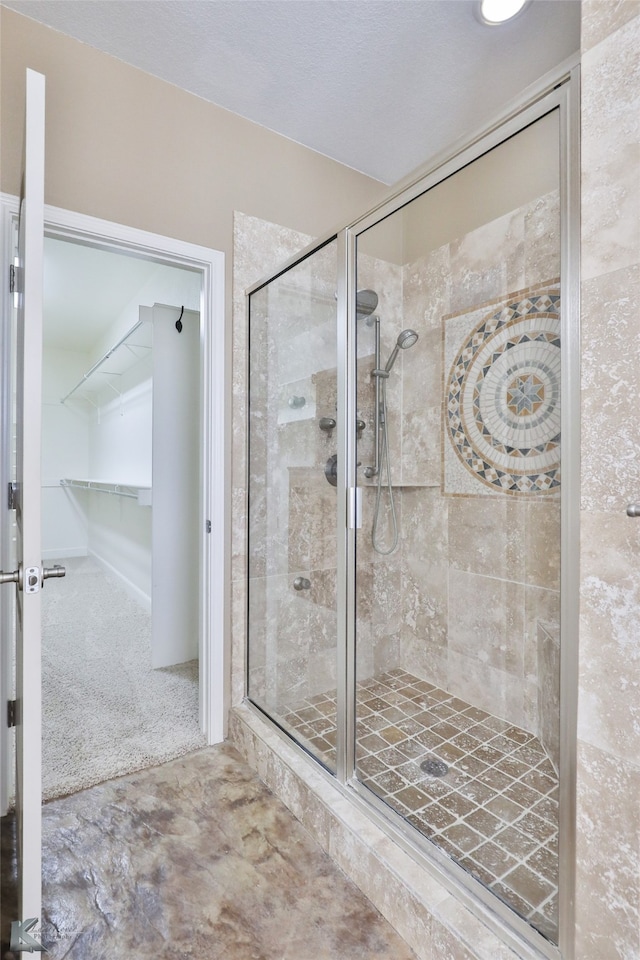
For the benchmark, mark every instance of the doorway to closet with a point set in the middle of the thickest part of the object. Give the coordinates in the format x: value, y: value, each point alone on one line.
x: 121, y: 475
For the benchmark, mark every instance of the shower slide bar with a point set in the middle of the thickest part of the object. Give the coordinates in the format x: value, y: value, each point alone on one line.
x: 131, y: 491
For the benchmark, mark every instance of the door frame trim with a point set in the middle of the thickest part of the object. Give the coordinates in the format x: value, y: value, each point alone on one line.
x: 107, y: 235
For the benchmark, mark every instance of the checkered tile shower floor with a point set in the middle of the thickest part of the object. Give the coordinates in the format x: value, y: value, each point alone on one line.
x: 495, y: 811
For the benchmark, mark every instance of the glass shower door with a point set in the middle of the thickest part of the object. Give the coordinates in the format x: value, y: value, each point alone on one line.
x: 458, y: 557
x: 292, y: 619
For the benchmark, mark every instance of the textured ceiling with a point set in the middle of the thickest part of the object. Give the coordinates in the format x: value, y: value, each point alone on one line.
x: 380, y: 85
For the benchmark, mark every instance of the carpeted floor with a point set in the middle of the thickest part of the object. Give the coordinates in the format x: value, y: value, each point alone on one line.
x: 105, y: 711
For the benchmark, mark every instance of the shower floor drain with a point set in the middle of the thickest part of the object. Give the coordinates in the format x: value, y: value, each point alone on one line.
x: 434, y: 767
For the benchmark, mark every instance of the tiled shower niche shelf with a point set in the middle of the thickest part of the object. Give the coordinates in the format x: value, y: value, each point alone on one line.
x: 131, y: 491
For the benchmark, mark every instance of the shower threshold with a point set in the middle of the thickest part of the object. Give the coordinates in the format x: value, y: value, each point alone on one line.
x: 494, y: 810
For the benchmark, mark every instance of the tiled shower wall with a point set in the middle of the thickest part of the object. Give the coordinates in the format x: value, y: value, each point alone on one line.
x: 479, y: 572
x: 461, y: 601
x: 475, y: 577
x: 608, y: 855
x: 293, y: 356
x: 259, y: 247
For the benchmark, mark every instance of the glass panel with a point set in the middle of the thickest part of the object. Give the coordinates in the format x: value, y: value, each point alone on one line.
x: 292, y: 505
x: 458, y: 559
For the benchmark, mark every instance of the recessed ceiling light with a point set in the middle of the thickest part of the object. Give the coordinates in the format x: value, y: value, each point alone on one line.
x: 495, y: 12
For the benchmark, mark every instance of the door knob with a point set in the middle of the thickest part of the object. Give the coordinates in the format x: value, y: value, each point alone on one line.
x: 13, y: 577
x: 34, y: 577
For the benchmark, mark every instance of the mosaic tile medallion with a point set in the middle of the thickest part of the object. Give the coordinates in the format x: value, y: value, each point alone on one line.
x: 503, y: 394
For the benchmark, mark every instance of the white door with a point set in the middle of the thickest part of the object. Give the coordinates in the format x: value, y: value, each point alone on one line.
x: 28, y: 576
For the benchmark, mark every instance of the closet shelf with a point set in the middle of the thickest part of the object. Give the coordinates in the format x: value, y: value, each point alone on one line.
x: 133, y: 491
x: 127, y: 358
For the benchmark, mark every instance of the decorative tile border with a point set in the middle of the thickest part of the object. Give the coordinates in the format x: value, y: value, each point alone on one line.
x: 502, y: 395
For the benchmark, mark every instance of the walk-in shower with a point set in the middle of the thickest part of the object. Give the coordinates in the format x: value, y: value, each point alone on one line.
x: 429, y: 565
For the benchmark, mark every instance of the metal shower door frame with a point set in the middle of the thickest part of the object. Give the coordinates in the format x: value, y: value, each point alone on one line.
x: 564, y: 97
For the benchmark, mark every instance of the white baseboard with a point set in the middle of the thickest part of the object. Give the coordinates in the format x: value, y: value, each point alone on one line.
x: 65, y: 553
x: 135, y: 592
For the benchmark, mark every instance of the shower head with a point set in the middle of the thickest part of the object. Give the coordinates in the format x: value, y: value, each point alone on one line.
x: 405, y: 340
x: 366, y: 303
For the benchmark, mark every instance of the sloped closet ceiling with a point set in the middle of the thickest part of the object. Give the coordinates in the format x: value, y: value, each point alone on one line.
x: 86, y: 289
x: 379, y: 85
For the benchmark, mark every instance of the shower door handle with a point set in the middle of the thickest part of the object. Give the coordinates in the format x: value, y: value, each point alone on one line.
x: 354, y: 508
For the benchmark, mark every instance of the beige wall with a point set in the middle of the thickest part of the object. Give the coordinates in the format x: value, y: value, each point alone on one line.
x: 608, y: 863
x: 481, y: 192
x: 125, y: 146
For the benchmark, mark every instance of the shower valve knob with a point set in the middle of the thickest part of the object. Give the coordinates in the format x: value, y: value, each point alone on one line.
x: 331, y: 470
x: 327, y: 424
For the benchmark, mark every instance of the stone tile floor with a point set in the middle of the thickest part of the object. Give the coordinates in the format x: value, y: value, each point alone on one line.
x: 197, y: 858
x: 495, y: 811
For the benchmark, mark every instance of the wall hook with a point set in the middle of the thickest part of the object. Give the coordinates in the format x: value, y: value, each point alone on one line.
x: 179, y: 321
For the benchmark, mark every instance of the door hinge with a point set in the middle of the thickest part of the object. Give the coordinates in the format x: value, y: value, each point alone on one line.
x: 12, y: 496
x: 207, y: 526
x: 15, y: 278
x: 12, y: 713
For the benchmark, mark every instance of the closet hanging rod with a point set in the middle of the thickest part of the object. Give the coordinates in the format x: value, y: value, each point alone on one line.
x: 99, y: 362
x: 114, y: 489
